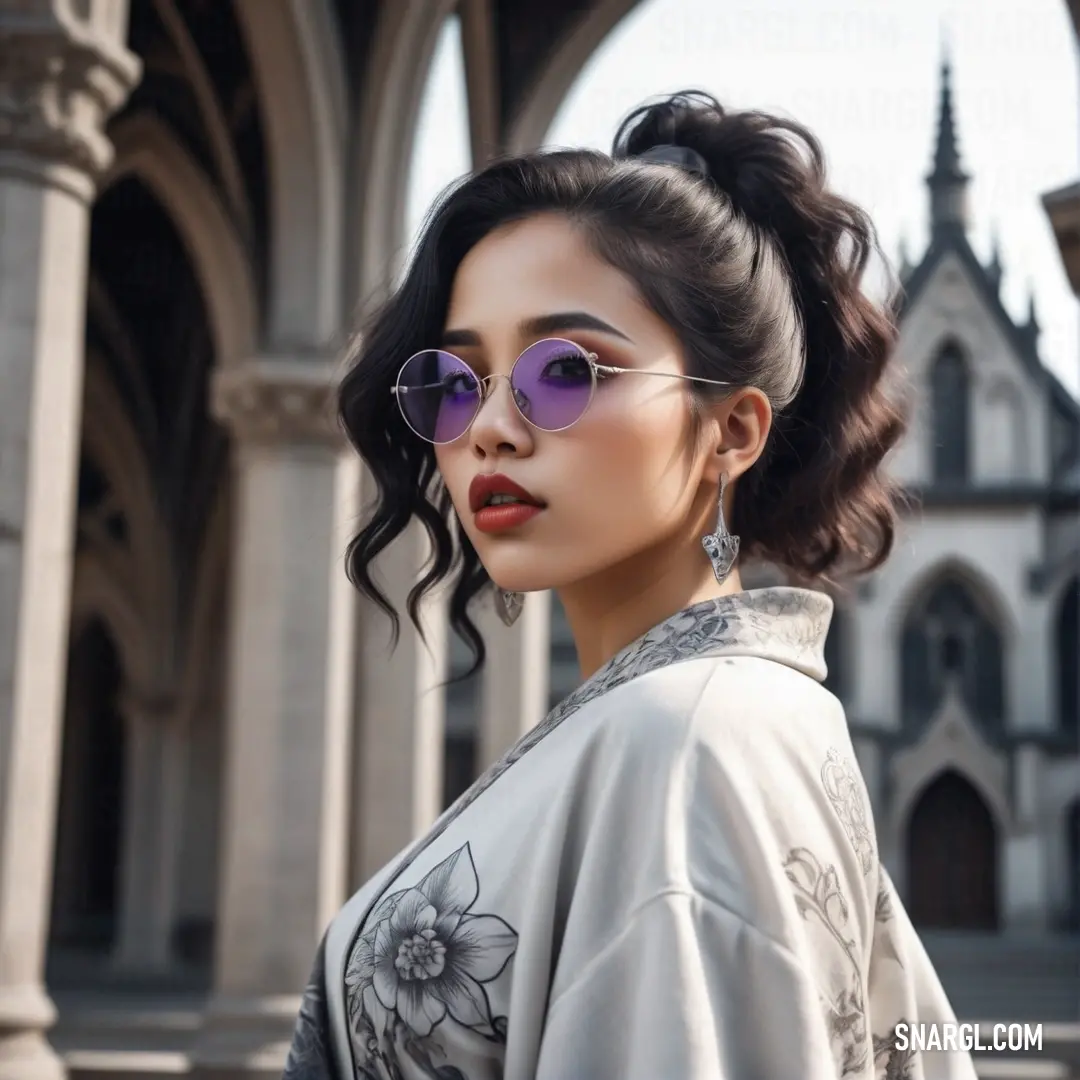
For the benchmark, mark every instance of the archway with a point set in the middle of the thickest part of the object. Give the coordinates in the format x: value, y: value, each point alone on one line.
x: 952, y: 859
x: 90, y: 812
x: 152, y: 470
x: 949, y: 637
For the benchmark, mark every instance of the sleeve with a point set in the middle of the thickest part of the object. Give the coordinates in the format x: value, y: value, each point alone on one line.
x: 687, y: 989
x: 310, y: 1054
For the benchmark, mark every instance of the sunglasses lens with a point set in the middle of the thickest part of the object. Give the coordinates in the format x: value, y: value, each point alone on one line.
x: 553, y: 384
x: 438, y: 394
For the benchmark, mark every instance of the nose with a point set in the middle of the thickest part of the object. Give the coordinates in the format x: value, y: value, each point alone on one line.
x: 499, y: 427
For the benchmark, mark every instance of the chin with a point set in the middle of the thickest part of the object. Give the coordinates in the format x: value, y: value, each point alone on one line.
x: 518, y: 573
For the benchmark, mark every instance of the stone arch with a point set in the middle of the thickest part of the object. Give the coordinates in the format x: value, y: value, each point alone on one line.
x: 949, y: 391
x: 912, y: 785
x: 146, y: 149
x: 99, y: 592
x: 975, y: 577
x: 397, y: 72
x: 953, y: 856
x: 299, y: 68
x: 110, y: 440
x: 955, y: 746
x: 215, y: 123
x: 952, y: 628
x: 530, y: 125
x: 951, y: 742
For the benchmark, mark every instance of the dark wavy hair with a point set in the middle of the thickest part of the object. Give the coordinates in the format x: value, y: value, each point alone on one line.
x: 757, y: 267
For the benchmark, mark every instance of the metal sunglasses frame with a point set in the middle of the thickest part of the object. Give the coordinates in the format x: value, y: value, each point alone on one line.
x: 595, y: 369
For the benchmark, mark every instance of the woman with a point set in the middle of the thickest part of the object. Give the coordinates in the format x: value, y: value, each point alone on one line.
x: 593, y: 366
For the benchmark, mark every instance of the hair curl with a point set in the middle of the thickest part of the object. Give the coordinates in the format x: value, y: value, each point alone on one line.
x: 757, y: 267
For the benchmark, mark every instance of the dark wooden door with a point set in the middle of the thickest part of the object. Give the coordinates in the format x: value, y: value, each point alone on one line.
x: 952, y: 858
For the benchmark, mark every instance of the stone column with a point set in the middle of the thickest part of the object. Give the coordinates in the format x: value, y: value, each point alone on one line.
x: 284, y: 832
x: 401, y: 708
x: 515, y: 677
x: 1023, y: 870
x: 153, y: 833
x: 60, y: 79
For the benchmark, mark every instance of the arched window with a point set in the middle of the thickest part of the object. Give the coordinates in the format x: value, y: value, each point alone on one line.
x: 1067, y: 650
x: 950, y: 408
x: 952, y: 858
x: 948, y: 637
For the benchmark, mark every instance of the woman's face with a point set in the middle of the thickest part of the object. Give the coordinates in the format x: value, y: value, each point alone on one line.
x: 628, y: 484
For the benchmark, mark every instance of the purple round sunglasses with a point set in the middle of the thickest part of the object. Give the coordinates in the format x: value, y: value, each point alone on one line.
x: 552, y: 383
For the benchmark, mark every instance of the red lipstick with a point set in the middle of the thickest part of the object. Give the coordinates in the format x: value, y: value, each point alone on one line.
x: 499, y: 504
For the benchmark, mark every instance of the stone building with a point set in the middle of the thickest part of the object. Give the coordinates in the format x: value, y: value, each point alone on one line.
x: 205, y: 743
x: 959, y: 661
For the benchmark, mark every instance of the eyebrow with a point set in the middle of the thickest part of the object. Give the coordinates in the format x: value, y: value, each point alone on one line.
x: 543, y: 324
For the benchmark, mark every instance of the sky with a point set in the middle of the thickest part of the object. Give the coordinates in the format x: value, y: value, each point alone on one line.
x: 864, y: 76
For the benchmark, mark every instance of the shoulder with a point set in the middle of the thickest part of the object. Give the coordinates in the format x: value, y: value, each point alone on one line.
x: 727, y: 765
x: 727, y: 705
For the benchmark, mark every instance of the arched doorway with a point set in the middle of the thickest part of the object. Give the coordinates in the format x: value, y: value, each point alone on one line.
x: 90, y: 812
x: 952, y: 858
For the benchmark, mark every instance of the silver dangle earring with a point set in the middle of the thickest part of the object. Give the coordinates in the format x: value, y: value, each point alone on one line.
x: 508, y: 605
x: 721, y: 546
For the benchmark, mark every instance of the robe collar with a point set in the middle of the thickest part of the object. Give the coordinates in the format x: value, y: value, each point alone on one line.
x: 782, y: 624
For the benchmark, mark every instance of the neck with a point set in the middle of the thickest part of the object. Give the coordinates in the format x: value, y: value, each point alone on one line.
x: 614, y: 608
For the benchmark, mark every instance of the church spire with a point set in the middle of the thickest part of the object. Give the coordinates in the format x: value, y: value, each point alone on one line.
x: 1031, y: 329
x: 995, y: 271
x: 947, y: 181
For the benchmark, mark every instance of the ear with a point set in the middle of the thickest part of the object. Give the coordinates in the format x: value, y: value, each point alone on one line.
x: 741, y: 425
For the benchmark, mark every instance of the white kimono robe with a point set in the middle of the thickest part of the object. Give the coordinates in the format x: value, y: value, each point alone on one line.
x: 673, y: 877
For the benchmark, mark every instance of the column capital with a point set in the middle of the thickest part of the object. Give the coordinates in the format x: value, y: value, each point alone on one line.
x: 278, y: 400
x: 61, y: 78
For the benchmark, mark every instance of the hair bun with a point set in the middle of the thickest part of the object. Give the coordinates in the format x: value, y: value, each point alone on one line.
x: 750, y: 156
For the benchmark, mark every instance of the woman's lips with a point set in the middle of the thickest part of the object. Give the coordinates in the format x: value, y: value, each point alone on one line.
x: 487, y: 485
x: 494, y: 519
x: 502, y: 515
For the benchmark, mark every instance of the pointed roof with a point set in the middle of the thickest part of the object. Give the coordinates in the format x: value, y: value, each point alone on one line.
x: 994, y: 269
x: 947, y: 184
x: 1032, y: 327
x: 947, y: 180
x: 946, y: 152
